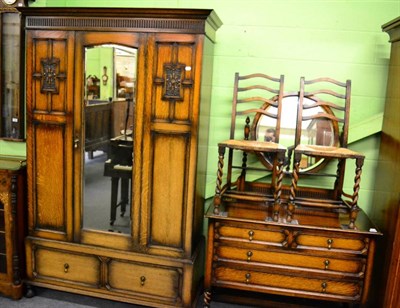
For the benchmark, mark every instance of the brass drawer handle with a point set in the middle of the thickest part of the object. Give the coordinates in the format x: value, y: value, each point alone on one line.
x: 324, y: 286
x: 251, y: 234
x: 248, y: 275
x: 326, y: 263
x: 66, y: 267
x: 249, y: 255
x: 330, y: 242
x: 142, y: 280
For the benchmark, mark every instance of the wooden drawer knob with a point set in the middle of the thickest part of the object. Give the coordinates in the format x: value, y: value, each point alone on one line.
x: 251, y: 234
x: 249, y: 255
x: 142, y: 280
x: 329, y: 242
x: 248, y: 275
x: 66, y: 267
x: 324, y: 285
x: 326, y: 263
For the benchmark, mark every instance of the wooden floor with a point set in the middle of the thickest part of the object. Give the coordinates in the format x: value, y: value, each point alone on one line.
x: 46, y: 298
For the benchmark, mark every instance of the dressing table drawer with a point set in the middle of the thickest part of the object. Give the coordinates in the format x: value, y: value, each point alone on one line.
x: 250, y: 234
x: 66, y: 266
x: 281, y: 283
x: 145, y: 279
x: 351, y: 267
x: 326, y: 242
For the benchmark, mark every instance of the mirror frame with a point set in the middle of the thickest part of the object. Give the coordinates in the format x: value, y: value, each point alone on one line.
x: 288, y: 170
x: 84, y: 40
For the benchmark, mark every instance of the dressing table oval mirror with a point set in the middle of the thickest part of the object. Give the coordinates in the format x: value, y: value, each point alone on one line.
x: 315, y: 132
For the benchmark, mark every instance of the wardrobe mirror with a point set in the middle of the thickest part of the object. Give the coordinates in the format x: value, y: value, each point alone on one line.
x: 11, y: 105
x: 109, y: 100
x: 314, y: 132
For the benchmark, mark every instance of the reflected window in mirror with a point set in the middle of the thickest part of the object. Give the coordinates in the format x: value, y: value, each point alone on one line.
x: 11, y: 107
x: 110, y: 76
x: 315, y: 132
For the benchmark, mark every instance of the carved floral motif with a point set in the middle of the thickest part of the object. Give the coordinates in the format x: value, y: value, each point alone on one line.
x: 173, y: 81
x: 174, y: 74
x: 49, y: 74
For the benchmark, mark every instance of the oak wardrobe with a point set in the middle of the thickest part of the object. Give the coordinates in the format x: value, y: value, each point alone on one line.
x: 126, y: 223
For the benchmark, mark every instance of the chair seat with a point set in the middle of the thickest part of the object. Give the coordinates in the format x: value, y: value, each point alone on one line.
x: 323, y: 203
x: 248, y: 196
x: 326, y: 151
x: 253, y: 145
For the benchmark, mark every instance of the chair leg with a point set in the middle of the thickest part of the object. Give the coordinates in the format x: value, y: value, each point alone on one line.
x: 357, y: 179
x: 114, y: 199
x: 242, y: 178
x: 338, y: 186
x: 124, y: 195
x: 207, y: 298
x: 288, y: 159
x: 220, y: 172
x: 293, y: 187
x: 278, y: 186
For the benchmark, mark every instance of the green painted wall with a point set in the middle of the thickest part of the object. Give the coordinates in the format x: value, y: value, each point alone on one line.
x: 341, y: 39
x: 96, y: 59
x: 12, y: 148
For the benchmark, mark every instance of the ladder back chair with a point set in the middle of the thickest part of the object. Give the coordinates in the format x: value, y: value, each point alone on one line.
x: 255, y: 96
x: 331, y: 99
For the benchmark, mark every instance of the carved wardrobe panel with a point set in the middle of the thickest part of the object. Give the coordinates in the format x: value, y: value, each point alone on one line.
x: 172, y: 139
x: 50, y: 132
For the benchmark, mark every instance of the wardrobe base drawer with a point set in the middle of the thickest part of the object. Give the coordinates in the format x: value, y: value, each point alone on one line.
x: 61, y: 265
x: 144, y: 278
x: 133, y: 278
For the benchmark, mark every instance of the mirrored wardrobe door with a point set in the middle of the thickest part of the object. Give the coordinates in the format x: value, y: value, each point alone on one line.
x: 105, y: 100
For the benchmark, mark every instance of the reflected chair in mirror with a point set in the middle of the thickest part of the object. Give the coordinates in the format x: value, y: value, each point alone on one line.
x: 254, y: 95
x: 119, y: 166
x: 333, y: 99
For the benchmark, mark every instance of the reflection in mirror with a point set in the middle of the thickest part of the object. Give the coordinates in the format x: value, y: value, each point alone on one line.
x: 314, y: 132
x: 11, y: 109
x: 110, y: 72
